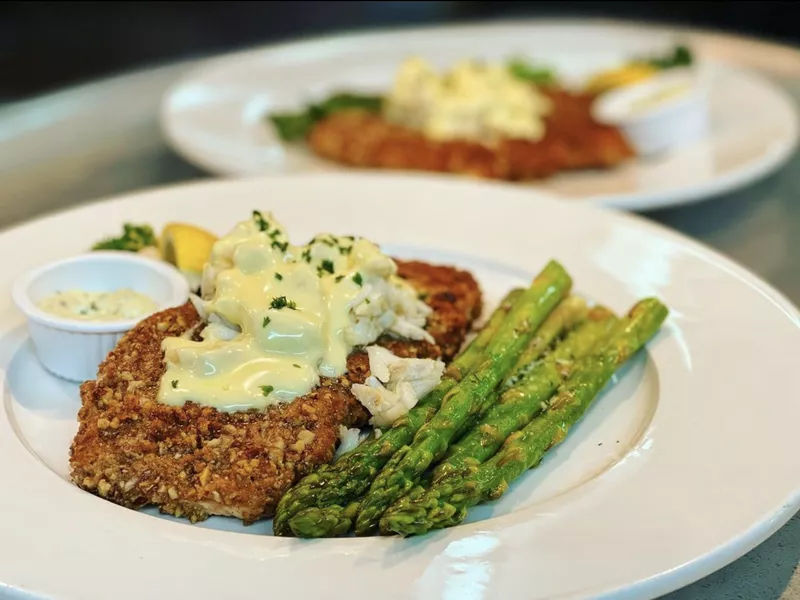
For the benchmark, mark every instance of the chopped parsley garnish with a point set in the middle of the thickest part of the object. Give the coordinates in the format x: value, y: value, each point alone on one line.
x: 423, y: 296
x: 280, y: 302
x: 274, y: 233
x: 174, y: 383
x: 367, y: 300
x: 295, y: 365
x: 339, y: 278
x: 267, y: 389
x: 345, y: 250
x: 260, y: 220
x: 265, y: 322
x: 133, y: 239
x: 278, y: 276
x: 325, y: 266
x: 306, y: 255
x: 93, y: 306
x: 357, y: 279
x: 280, y: 246
x: 322, y: 240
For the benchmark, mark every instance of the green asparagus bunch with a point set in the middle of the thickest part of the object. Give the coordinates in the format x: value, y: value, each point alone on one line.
x: 336, y: 519
x: 350, y: 477
x: 519, y: 404
x: 447, y: 501
x: 467, y: 398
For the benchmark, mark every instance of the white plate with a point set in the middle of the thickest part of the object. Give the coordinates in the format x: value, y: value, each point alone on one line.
x: 214, y: 116
x: 686, y: 463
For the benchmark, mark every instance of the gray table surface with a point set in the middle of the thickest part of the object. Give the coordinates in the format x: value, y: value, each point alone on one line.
x: 103, y: 138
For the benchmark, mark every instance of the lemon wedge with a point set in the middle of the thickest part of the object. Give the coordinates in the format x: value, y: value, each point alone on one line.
x: 188, y: 248
x: 626, y: 75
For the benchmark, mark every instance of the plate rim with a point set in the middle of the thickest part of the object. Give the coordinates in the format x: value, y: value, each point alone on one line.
x: 661, y: 582
x: 737, y: 179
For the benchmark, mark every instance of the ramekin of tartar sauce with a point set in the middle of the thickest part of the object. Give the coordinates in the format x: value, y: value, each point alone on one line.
x: 78, y: 308
x: 658, y: 114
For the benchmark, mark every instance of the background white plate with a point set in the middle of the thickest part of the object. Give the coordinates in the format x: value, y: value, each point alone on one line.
x: 686, y: 463
x: 214, y: 115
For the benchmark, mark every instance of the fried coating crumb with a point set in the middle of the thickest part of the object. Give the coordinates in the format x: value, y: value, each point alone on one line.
x: 194, y: 461
x: 573, y: 140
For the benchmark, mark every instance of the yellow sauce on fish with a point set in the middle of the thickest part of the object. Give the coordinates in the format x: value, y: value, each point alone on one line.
x: 282, y: 316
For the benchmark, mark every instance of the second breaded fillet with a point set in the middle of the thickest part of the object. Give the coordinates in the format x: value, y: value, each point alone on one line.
x: 195, y: 461
x: 573, y: 140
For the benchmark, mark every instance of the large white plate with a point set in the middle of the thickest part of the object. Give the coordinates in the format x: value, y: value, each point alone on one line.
x: 214, y: 116
x: 684, y: 464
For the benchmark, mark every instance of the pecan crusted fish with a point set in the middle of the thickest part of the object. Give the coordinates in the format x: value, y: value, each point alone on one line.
x: 573, y: 140
x: 195, y: 461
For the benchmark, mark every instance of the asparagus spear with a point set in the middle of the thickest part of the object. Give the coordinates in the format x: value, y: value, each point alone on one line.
x: 564, y: 317
x: 446, y: 502
x: 334, y: 519
x: 519, y: 404
x: 352, y: 474
x: 464, y: 400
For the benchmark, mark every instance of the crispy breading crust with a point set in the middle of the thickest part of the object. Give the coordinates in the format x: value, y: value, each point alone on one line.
x: 572, y: 141
x: 196, y: 461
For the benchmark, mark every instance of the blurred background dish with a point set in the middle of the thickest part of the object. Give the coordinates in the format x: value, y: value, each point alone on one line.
x: 216, y: 115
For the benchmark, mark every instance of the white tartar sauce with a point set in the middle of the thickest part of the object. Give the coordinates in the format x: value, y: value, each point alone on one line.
x: 119, y: 305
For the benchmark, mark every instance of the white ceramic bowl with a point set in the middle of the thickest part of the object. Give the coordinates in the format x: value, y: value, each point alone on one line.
x: 674, y: 121
x: 73, y: 349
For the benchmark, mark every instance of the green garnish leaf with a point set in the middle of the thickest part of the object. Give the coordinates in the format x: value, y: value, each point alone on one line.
x: 174, y: 383
x: 280, y: 246
x: 521, y: 69
x: 292, y: 126
x: 339, y: 278
x: 265, y: 322
x: 267, y: 389
x: 295, y: 365
x: 280, y: 302
x: 296, y: 126
x: 133, y: 239
x: 681, y: 56
x: 357, y: 279
x: 278, y: 276
x: 306, y: 255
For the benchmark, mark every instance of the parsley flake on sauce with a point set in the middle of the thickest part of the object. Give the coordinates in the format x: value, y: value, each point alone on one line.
x: 357, y: 279
x: 265, y: 322
x: 325, y: 266
x: 278, y: 276
x: 260, y: 220
x: 280, y: 302
x: 267, y: 389
x: 174, y: 383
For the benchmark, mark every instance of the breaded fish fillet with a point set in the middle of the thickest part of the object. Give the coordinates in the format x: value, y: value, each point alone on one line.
x: 573, y: 140
x: 195, y: 461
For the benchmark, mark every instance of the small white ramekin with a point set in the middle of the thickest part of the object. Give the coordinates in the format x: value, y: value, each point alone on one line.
x: 71, y: 348
x: 673, y: 123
